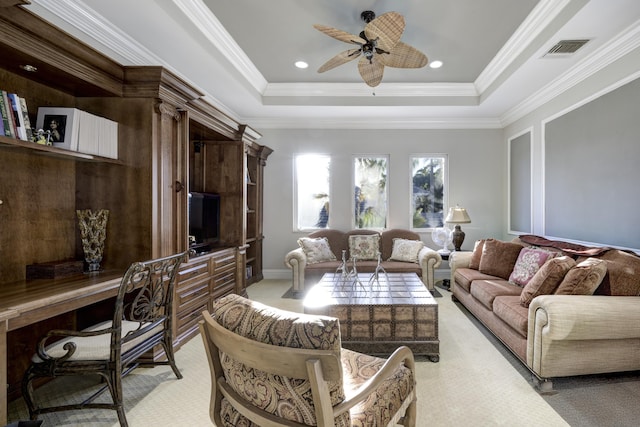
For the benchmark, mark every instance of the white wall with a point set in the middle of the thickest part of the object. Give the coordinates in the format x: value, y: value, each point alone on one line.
x: 477, y: 169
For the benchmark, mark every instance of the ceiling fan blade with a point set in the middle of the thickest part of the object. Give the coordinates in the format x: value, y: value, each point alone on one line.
x: 371, y: 72
x: 403, y: 56
x: 339, y: 59
x: 343, y: 36
x: 387, y: 29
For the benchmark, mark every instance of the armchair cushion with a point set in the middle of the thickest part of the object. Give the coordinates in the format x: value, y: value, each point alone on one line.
x: 98, y: 347
x: 386, y: 400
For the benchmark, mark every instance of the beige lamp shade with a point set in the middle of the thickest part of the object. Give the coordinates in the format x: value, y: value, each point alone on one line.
x: 458, y: 215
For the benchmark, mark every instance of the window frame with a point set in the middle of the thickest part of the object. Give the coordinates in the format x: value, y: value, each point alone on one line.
x: 445, y: 191
x: 354, y: 222
x: 296, y: 225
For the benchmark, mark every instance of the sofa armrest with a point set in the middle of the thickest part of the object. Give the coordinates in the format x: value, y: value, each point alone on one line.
x: 459, y: 260
x: 429, y: 260
x: 583, y: 334
x: 585, y: 317
x: 296, y: 260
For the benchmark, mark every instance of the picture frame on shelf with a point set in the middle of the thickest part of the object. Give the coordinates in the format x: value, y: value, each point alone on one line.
x: 60, y: 125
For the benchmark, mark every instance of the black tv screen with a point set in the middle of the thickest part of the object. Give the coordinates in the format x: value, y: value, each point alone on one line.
x: 204, y: 218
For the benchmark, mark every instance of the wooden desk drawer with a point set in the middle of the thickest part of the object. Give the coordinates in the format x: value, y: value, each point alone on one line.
x: 223, y: 259
x: 192, y: 271
x: 187, y: 321
x: 194, y: 291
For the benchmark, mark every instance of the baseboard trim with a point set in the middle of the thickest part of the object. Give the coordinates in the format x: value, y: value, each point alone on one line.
x: 277, y: 274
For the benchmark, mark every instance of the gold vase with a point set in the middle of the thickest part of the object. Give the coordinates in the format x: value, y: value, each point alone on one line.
x: 93, y: 232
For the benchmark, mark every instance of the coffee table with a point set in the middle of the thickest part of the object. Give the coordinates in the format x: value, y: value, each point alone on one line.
x: 376, y: 317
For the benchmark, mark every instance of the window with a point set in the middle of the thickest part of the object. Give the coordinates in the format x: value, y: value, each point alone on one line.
x: 312, y: 179
x: 370, y: 192
x: 428, y: 191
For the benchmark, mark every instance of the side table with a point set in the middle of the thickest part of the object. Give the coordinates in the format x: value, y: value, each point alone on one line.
x: 445, y: 283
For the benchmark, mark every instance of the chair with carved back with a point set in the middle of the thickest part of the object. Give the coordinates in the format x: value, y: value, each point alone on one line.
x: 142, y: 319
x: 271, y: 367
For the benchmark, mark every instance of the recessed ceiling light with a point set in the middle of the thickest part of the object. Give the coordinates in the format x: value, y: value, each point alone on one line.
x: 435, y: 64
x: 301, y: 64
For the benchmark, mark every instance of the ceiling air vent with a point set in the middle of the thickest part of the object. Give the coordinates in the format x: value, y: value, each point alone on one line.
x: 566, y: 47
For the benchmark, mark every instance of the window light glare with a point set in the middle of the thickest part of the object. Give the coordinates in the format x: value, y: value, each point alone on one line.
x: 301, y: 64
x: 435, y: 64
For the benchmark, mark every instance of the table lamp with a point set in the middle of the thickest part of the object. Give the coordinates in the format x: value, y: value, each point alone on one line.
x: 457, y: 216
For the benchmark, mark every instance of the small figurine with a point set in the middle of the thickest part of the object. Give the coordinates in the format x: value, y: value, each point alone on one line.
x: 41, y: 137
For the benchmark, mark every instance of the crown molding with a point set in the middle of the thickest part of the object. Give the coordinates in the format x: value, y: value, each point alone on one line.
x: 79, y: 15
x: 411, y: 90
x: 374, y: 123
x: 539, y: 18
x: 627, y: 41
x: 211, y: 28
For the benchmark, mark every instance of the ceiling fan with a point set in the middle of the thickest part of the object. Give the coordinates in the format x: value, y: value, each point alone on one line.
x: 379, y: 45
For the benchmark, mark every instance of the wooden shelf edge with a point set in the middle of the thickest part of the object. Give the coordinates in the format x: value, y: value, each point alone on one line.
x: 53, y: 151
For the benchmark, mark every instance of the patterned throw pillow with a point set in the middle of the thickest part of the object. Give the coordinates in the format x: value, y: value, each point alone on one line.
x: 316, y: 250
x: 406, y: 250
x: 528, y: 263
x: 364, y: 247
x: 584, y: 278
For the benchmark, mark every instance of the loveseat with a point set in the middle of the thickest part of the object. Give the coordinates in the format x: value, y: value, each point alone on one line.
x: 563, y: 309
x: 321, y: 252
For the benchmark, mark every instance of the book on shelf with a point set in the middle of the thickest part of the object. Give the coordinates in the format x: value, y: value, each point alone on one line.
x: 11, y: 125
x: 25, y: 117
x: 80, y: 131
x: 21, y: 131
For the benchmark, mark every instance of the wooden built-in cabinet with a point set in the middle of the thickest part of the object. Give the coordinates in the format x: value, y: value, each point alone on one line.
x: 161, y: 121
x: 201, y: 281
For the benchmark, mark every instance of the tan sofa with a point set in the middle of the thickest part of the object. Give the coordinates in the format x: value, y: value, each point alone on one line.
x: 304, y: 272
x: 560, y: 335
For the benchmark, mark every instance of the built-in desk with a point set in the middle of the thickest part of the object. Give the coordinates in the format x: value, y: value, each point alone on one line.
x: 26, y: 303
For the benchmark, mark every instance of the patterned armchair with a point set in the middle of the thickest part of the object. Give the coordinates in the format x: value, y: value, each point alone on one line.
x: 271, y: 367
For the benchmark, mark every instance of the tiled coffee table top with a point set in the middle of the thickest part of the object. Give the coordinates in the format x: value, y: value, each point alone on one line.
x: 389, y: 289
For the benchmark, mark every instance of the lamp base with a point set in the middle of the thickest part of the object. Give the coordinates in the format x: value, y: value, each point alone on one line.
x: 458, y: 237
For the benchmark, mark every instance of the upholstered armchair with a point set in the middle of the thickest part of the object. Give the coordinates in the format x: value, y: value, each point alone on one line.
x: 271, y: 367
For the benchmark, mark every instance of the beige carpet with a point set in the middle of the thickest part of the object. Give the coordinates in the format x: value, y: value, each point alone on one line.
x: 472, y: 385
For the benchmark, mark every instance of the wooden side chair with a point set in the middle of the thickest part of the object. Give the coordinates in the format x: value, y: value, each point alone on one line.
x: 111, y: 349
x: 271, y: 367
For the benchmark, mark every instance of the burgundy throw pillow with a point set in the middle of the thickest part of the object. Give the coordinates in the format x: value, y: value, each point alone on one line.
x: 476, y: 255
x: 584, y: 278
x: 547, y: 279
x: 498, y: 258
x: 528, y: 263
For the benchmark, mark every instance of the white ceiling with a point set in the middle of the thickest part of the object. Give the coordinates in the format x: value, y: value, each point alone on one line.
x: 240, y: 53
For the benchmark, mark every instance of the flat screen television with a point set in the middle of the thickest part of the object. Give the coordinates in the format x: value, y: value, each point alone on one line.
x: 204, y: 219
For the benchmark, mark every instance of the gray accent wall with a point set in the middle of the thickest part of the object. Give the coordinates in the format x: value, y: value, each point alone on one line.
x: 520, y: 184
x: 592, y: 174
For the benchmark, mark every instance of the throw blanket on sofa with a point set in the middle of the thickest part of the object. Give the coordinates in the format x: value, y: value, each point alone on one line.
x: 567, y: 247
